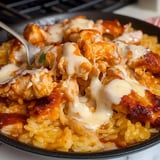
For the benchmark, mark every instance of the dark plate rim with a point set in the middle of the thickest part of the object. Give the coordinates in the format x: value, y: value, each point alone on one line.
x: 90, y: 155
x: 138, y: 24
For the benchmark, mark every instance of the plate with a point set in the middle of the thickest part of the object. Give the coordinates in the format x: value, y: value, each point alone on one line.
x: 137, y: 24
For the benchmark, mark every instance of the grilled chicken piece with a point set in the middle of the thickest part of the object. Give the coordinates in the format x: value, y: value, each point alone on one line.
x: 73, y: 63
x: 30, y: 84
x: 143, y: 109
x: 94, y: 47
x: 150, y: 62
x: 12, y: 51
x: 17, y: 53
x: 48, y: 106
x: 112, y: 27
x: 34, y: 35
x: 138, y: 56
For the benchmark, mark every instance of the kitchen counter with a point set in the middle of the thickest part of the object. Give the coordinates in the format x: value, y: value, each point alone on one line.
x: 10, y: 153
x: 137, y: 11
x: 153, y: 153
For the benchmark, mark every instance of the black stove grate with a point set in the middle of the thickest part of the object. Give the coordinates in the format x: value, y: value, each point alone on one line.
x: 16, y: 11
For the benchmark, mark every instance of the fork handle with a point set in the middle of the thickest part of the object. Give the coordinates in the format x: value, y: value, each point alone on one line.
x: 8, y: 29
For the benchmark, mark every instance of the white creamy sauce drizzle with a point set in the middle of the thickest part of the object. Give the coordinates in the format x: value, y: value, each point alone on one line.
x: 126, y: 76
x: 73, y: 61
x: 122, y: 49
x: 35, y: 75
x: 136, y: 50
x: 128, y: 82
x: 103, y: 111
x: 34, y: 71
x: 131, y: 37
x: 6, y: 73
x: 80, y: 23
x: 20, y: 55
x: 105, y: 95
x: 116, y: 89
x: 56, y: 31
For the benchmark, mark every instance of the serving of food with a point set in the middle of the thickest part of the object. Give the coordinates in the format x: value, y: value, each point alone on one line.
x: 94, y: 86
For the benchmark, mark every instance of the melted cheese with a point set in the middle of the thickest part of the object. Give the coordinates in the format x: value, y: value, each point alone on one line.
x: 6, y: 73
x: 73, y: 61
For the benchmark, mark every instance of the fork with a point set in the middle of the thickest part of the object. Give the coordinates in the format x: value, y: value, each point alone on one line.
x: 30, y: 49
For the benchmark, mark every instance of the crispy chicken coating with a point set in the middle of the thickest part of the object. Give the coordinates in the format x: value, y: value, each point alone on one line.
x: 48, y: 106
x: 150, y: 62
x: 30, y: 84
x: 34, y: 34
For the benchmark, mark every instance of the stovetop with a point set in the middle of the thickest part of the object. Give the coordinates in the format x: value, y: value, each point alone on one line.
x: 13, y: 11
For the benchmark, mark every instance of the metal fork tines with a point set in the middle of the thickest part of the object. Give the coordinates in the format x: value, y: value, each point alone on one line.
x: 30, y: 49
